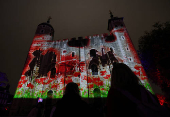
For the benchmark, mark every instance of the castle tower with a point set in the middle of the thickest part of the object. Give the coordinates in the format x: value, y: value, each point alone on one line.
x: 130, y: 57
x: 45, y: 29
x: 37, y: 64
x: 38, y: 61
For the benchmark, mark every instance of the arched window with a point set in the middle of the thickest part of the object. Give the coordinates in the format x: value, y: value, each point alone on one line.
x: 50, y: 94
x: 94, y: 69
x: 97, y: 93
x: 72, y: 54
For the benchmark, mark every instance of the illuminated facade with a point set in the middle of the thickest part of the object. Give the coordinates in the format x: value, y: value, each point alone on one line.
x: 51, y: 65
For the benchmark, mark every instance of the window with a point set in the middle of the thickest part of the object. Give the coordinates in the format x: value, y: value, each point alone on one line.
x: 72, y: 54
x: 127, y: 48
x: 49, y: 94
x: 130, y: 59
x: 122, y: 37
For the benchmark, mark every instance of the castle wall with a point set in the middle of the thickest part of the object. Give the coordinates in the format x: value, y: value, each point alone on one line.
x: 51, y: 65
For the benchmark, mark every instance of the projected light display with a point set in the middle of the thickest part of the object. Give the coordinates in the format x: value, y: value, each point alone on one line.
x: 51, y: 65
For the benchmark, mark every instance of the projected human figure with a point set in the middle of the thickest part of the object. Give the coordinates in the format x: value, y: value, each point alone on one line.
x: 111, y: 56
x: 105, y: 59
x: 94, y: 69
x: 34, y: 62
x: 42, y: 64
x: 47, y: 63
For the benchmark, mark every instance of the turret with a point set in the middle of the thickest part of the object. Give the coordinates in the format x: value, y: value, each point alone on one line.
x: 115, y: 22
x: 45, y: 29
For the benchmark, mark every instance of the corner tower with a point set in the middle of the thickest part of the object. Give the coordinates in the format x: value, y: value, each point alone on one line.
x: 115, y: 22
x: 45, y: 29
x: 127, y: 52
x: 30, y: 86
x: 38, y: 63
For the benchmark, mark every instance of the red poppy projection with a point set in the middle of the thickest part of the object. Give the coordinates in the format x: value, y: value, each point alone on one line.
x: 51, y: 65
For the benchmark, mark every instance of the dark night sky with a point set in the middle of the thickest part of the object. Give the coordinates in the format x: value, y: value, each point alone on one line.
x: 70, y: 18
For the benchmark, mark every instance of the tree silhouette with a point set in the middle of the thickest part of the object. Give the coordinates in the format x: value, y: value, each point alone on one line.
x: 154, y: 52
